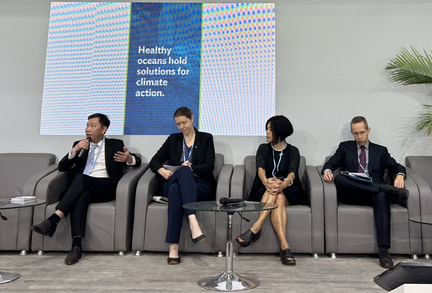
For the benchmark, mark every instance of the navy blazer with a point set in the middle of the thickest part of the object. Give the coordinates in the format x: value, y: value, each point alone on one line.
x: 203, y: 156
x: 114, y: 169
x: 346, y: 157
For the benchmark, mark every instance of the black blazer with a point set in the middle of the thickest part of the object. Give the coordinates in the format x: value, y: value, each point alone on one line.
x: 114, y: 169
x: 203, y: 157
x: 346, y: 158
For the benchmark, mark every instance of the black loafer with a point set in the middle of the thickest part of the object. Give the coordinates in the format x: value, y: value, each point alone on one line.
x: 385, y: 260
x: 399, y: 193
x: 74, y: 256
x: 44, y: 228
x: 174, y: 260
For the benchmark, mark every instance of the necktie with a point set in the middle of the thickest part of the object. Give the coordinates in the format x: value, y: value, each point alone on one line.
x: 90, y: 158
x: 362, y: 160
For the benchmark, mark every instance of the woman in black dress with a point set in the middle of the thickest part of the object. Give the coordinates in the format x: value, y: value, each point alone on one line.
x: 276, y: 182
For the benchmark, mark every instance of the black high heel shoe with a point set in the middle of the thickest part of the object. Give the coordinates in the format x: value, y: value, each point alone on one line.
x: 248, y: 237
x: 199, y: 239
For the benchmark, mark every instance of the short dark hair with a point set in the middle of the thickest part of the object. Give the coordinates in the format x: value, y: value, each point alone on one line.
x: 183, y: 111
x: 359, y: 119
x: 103, y: 119
x: 281, y: 128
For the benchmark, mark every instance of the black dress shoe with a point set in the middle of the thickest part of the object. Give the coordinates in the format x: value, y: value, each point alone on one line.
x: 74, y: 256
x: 384, y: 259
x: 44, y: 228
x: 399, y: 193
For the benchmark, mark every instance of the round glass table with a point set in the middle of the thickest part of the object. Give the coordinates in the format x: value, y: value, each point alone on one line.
x: 424, y: 219
x: 229, y: 280
x: 5, y: 204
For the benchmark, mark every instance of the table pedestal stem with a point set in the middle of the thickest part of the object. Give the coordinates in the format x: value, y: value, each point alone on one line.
x: 228, y: 280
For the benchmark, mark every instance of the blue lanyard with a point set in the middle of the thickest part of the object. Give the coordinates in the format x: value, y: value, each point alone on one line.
x: 95, y: 159
x: 187, y: 157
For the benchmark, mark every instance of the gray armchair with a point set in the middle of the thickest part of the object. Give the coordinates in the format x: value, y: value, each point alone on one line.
x: 109, y: 224
x: 20, y: 174
x: 305, y: 225
x: 419, y: 169
x: 151, y: 218
x: 351, y: 228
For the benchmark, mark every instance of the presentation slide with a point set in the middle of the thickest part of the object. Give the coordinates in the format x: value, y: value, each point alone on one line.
x: 139, y: 62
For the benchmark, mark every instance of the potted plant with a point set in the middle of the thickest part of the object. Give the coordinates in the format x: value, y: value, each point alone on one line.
x: 409, y: 68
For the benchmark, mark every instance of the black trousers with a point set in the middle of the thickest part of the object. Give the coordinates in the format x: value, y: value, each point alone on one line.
x: 83, y: 191
x: 183, y: 187
x: 355, y: 192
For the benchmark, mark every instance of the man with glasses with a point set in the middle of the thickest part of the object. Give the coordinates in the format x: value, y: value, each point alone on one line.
x: 363, y: 156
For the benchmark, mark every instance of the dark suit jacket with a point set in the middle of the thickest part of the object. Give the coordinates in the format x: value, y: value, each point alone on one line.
x: 114, y: 169
x: 203, y: 157
x: 346, y: 158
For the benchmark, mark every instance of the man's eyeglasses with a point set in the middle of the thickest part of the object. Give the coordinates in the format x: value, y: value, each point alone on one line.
x: 361, y: 133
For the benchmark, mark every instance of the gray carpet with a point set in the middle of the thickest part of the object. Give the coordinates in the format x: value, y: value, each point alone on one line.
x: 108, y: 272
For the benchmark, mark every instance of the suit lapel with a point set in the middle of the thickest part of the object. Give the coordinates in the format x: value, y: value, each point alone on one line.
x: 180, y: 146
x: 354, y: 156
x: 196, y: 146
x: 108, y: 153
x: 372, y: 156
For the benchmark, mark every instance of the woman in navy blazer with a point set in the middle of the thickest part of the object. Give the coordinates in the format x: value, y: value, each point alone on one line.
x: 194, y: 153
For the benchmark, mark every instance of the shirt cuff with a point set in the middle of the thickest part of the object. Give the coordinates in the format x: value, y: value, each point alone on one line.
x: 133, y: 161
x: 71, y: 156
x: 404, y: 176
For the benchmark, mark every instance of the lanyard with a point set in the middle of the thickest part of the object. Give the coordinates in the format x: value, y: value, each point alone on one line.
x: 187, y: 157
x: 276, y: 166
x: 95, y: 159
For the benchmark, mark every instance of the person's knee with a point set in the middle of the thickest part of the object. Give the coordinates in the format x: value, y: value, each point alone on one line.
x: 381, y: 197
x: 174, y: 189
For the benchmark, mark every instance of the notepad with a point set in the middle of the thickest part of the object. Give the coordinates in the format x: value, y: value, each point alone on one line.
x: 23, y: 199
x: 357, y: 176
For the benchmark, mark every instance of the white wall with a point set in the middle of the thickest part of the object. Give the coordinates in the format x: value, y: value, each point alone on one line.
x: 330, y: 59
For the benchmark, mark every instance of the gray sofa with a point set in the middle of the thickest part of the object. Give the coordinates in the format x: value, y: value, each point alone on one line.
x: 305, y: 226
x: 109, y: 224
x: 419, y: 169
x: 351, y: 228
x: 20, y: 175
x: 151, y: 218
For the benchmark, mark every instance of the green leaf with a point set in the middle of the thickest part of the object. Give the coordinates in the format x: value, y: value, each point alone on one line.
x: 424, y: 122
x: 410, y: 68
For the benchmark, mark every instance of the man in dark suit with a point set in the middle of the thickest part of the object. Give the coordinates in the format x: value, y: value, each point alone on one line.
x: 95, y: 176
x: 363, y: 156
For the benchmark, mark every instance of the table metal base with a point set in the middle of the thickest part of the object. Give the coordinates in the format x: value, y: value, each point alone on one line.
x: 228, y: 282
x: 6, y: 277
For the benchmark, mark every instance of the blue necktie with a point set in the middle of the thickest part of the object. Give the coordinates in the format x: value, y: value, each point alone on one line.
x: 362, y: 160
x: 90, y: 158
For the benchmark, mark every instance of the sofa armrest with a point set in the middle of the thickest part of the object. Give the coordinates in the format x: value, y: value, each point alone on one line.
x: 143, y: 198
x: 330, y: 213
x: 314, y: 193
x: 30, y: 185
x: 238, y: 182
x: 125, y: 200
x: 224, y: 181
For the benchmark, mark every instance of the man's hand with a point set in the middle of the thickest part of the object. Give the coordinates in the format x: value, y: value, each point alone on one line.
x: 123, y: 156
x: 399, y: 181
x: 82, y: 144
x: 328, y: 176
